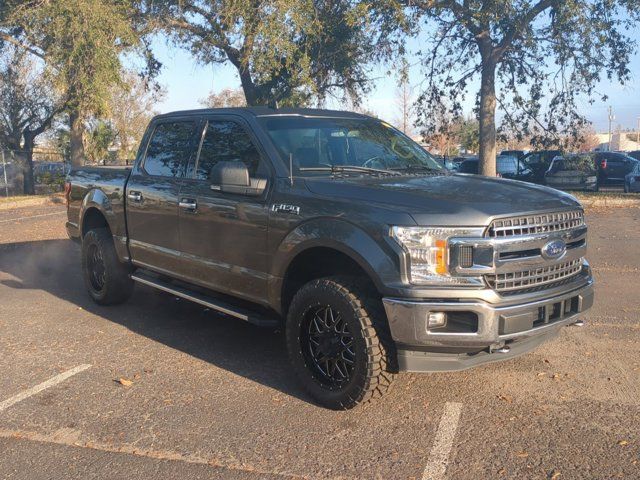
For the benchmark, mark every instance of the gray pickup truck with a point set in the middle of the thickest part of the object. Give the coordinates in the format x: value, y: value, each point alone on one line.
x: 343, y: 231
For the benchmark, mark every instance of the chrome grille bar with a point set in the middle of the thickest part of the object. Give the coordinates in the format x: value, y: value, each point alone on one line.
x: 538, y: 223
x: 525, y: 279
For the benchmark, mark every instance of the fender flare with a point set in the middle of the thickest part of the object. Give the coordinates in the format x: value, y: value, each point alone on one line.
x: 378, y: 259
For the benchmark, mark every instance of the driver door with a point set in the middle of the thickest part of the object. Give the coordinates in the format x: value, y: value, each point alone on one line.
x: 223, y: 236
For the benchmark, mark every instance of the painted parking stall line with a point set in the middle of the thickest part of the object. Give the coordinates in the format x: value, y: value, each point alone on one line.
x: 29, y: 217
x: 42, y: 386
x: 439, y: 456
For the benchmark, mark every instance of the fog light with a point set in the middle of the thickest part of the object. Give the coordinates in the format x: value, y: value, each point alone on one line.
x: 436, y: 319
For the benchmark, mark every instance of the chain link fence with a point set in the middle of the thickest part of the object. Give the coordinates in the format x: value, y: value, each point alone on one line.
x: 49, y: 170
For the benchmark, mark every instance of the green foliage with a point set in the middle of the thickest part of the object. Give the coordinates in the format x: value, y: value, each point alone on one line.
x: 580, y: 163
x: 285, y: 51
x: 544, y: 54
x: 100, y: 138
x: 469, y: 134
x: 80, y: 41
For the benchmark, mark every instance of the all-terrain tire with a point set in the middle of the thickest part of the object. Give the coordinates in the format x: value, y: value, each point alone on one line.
x: 106, y: 278
x: 374, y: 359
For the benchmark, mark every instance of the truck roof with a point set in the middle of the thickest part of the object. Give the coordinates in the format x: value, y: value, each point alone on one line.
x: 269, y: 112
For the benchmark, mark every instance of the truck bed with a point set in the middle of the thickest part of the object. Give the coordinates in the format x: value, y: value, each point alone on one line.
x: 97, y: 184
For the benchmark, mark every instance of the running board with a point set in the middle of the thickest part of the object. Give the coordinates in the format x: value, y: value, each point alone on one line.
x: 205, y: 300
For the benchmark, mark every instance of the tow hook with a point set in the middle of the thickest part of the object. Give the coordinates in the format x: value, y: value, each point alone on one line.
x: 499, y: 348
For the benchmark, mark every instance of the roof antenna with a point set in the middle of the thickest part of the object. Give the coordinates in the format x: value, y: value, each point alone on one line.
x: 291, y: 169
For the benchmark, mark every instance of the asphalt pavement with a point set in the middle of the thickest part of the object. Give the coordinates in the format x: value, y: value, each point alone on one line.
x: 161, y: 388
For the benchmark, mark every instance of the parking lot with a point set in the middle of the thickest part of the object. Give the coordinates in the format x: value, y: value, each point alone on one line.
x: 163, y: 388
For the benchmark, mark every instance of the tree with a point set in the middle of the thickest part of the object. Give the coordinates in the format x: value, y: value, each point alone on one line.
x: 287, y: 52
x: 82, y: 42
x: 404, y: 100
x: 28, y: 106
x: 469, y: 134
x: 100, y: 138
x: 539, y: 56
x: 225, y: 98
x: 131, y: 106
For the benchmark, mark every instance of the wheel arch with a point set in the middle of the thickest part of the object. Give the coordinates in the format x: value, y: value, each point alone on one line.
x: 328, y: 247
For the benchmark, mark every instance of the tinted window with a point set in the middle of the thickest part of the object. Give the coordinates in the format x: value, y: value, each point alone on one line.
x: 507, y: 164
x: 169, y: 149
x: 226, y: 141
x: 468, y: 166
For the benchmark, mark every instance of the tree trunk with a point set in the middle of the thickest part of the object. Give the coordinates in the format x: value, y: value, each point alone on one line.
x: 28, y: 182
x: 76, y: 147
x: 488, y: 118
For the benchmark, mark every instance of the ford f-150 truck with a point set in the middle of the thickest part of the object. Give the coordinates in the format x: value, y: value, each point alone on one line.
x: 341, y: 230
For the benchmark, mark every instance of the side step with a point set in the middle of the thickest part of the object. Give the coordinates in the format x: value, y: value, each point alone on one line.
x: 205, y: 300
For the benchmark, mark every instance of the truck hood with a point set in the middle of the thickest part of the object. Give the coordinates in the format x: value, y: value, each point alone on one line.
x: 446, y: 200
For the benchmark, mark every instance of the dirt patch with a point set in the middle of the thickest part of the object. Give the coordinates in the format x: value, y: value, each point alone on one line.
x: 9, y: 203
x: 603, y: 200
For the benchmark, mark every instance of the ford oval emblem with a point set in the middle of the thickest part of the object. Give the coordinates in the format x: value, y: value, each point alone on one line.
x: 554, y: 249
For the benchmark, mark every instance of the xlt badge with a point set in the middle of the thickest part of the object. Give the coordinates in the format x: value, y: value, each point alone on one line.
x: 285, y: 208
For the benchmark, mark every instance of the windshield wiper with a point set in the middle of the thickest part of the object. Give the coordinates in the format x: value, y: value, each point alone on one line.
x: 418, y: 168
x: 348, y: 169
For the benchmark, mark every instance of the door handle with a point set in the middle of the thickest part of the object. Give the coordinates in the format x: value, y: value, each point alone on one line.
x: 188, y: 204
x: 134, y: 196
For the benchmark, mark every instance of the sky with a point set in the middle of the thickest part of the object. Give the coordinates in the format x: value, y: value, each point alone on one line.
x: 187, y: 83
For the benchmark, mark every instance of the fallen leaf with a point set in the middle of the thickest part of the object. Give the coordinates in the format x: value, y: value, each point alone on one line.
x: 522, y: 454
x: 502, y: 471
x: 125, y: 382
x: 622, y: 443
x: 541, y: 374
x: 555, y: 474
x: 505, y: 398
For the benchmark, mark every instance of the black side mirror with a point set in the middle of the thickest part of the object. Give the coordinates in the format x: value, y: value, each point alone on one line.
x: 233, y: 177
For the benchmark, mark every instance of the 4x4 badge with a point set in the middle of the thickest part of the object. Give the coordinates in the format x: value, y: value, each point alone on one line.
x: 284, y: 208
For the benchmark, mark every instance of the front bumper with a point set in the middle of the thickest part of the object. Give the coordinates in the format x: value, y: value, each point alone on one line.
x: 482, y: 328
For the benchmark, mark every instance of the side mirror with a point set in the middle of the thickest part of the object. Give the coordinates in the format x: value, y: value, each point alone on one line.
x: 233, y: 177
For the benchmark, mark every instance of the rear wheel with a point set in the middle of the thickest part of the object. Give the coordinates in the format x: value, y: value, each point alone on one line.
x: 337, y: 342
x: 106, y: 278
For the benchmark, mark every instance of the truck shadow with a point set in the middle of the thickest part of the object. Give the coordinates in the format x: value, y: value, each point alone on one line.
x: 254, y: 353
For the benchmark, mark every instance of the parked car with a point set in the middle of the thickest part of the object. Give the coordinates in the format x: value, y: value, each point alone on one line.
x: 632, y: 180
x: 506, y: 167
x: 49, y: 170
x: 613, y: 167
x: 342, y: 231
x: 519, y: 154
x: 573, y: 172
x: 635, y: 154
x: 537, y: 163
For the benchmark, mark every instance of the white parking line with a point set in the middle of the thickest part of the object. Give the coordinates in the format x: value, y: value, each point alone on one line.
x: 17, y: 219
x: 43, y: 386
x: 439, y: 457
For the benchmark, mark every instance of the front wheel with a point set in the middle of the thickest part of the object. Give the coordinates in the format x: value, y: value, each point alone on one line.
x: 106, y: 278
x: 337, y: 342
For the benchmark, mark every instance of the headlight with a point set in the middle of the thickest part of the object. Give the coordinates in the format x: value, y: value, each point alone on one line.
x: 428, y: 252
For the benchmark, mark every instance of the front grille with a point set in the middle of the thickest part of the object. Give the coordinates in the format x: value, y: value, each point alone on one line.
x: 539, y: 223
x: 517, y: 282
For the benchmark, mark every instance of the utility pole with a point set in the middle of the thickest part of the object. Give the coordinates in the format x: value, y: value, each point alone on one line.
x: 4, y: 169
x: 638, y: 133
x: 611, y: 117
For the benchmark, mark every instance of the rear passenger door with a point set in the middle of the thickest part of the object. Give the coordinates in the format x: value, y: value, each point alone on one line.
x: 617, y: 167
x: 223, y: 235
x: 152, y: 194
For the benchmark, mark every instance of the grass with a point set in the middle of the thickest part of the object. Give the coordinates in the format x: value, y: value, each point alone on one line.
x: 31, y: 199
x: 607, y: 199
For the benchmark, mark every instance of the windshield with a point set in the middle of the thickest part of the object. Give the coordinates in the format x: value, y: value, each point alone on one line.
x: 317, y: 143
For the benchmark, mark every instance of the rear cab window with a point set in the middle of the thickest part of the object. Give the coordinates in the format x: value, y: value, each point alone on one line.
x: 170, y: 148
